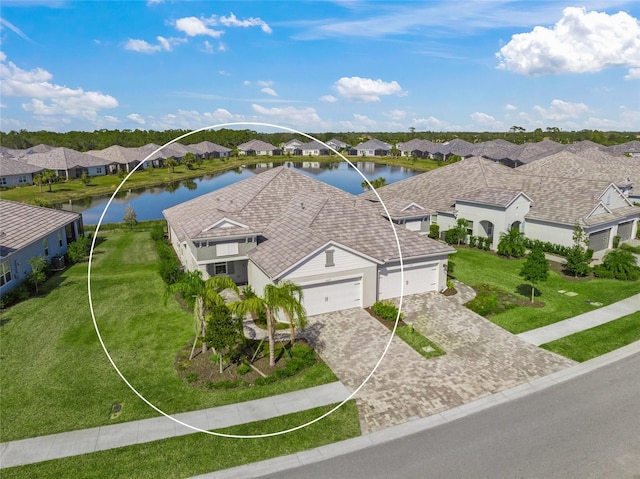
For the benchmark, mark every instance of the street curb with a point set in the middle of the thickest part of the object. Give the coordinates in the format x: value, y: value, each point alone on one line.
x: 278, y: 464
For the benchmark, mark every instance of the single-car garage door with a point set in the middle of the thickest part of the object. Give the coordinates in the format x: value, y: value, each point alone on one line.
x: 624, y: 230
x: 332, y: 295
x: 417, y: 279
x: 600, y: 240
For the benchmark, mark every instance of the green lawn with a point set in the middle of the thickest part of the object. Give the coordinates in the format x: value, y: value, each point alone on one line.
x: 55, y: 376
x: 600, y: 340
x: 418, y: 342
x: 200, y: 453
x: 475, y: 267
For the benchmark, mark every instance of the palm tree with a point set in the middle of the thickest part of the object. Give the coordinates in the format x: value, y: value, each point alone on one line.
x: 512, y: 243
x: 46, y: 176
x: 287, y: 297
x: 200, y: 295
x: 171, y: 163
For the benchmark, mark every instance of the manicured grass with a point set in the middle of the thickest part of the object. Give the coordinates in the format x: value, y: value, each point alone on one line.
x: 600, y: 340
x: 475, y: 267
x: 102, y: 185
x: 56, y: 377
x: 200, y: 453
x: 418, y: 342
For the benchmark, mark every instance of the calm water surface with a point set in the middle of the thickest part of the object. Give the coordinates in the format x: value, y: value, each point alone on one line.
x: 148, y: 203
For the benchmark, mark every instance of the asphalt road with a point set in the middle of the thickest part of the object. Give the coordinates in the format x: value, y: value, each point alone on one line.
x: 587, y: 427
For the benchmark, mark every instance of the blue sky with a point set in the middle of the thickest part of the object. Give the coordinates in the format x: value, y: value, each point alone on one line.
x: 346, y: 65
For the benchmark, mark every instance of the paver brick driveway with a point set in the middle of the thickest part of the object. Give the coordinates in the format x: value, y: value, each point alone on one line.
x: 481, y: 359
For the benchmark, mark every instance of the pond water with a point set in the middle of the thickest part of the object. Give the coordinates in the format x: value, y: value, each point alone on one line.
x: 148, y: 203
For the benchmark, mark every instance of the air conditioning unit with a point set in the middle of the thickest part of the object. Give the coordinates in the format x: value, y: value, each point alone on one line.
x: 57, y: 263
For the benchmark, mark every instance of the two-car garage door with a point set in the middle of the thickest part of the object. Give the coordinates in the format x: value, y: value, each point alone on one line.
x: 332, y: 295
x: 417, y: 279
x: 599, y: 240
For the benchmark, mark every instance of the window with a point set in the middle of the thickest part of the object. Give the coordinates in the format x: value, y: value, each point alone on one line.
x: 60, y: 238
x: 226, y: 249
x: 3, y: 181
x: 45, y: 245
x: 329, y: 258
x: 22, y: 179
x: 220, y: 268
x: 98, y: 170
x: 5, y: 273
x: 434, y: 219
x: 250, y: 239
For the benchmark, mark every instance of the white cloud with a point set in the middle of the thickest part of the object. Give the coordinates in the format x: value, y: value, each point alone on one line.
x: 62, y: 101
x: 232, y: 21
x: 222, y: 47
x: 289, y: 115
x: 561, y: 110
x: 510, y: 107
x: 208, y: 47
x: 137, y: 118
x: 634, y: 74
x: 246, y: 83
x: 14, y: 29
x: 143, y: 46
x: 269, y: 91
x: 366, y: 89
x: 111, y: 119
x: 192, y: 119
x: 193, y: 26
x: 328, y: 98
x: 396, y: 114
x: 224, y: 73
x: 579, y: 42
x: 433, y: 124
x: 485, y: 120
x: 150, y: 3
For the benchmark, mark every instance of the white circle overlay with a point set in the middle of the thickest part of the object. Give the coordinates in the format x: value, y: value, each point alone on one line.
x: 169, y: 416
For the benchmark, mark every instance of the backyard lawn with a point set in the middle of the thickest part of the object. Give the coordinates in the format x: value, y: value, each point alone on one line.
x: 475, y: 267
x: 55, y: 375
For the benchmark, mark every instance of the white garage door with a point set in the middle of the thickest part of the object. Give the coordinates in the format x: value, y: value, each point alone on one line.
x: 599, y: 241
x: 417, y: 279
x: 332, y: 296
x: 624, y: 230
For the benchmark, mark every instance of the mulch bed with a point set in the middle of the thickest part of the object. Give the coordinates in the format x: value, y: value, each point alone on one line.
x: 387, y: 324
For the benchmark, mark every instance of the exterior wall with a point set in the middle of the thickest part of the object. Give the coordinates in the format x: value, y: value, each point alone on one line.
x: 545, y: 231
x: 16, y: 180
x: 209, y: 253
x: 613, y: 199
x: 97, y: 170
x: 445, y: 221
x: 257, y: 278
x: 236, y: 270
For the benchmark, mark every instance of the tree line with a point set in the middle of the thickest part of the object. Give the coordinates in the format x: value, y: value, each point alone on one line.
x: 100, y: 139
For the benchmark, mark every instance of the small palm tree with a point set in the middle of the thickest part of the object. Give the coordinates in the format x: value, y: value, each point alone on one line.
x: 171, y: 163
x: 512, y: 243
x: 287, y: 297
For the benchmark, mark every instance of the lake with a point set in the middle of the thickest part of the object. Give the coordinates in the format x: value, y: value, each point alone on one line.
x: 148, y: 203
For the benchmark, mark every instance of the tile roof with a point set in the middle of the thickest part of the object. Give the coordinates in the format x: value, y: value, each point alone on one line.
x: 205, y: 147
x: 64, y: 159
x: 257, y: 145
x: 119, y: 154
x: 373, y: 144
x: 625, y: 148
x: 490, y: 196
x: 9, y: 166
x: 297, y: 215
x: 21, y: 224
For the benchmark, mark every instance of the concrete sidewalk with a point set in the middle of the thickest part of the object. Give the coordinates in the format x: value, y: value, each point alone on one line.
x: 584, y: 321
x: 73, y: 443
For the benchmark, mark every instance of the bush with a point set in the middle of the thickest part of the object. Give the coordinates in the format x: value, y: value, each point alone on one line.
x: 16, y: 295
x: 157, y: 233
x: 473, y: 240
x: 243, y: 369
x: 434, y: 231
x: 619, y: 263
x: 450, y: 284
x: 484, y: 304
x: 78, y: 251
x: 616, y: 241
x: 386, y: 310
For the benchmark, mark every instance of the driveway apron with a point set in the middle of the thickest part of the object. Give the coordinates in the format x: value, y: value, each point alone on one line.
x: 481, y: 359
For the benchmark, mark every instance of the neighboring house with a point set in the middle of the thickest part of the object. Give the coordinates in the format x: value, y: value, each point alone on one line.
x: 495, y: 198
x: 27, y: 231
x: 68, y: 163
x: 206, y: 150
x: 456, y: 147
x: 313, y: 148
x: 292, y: 146
x: 373, y: 147
x: 258, y: 148
x: 338, y: 145
x: 17, y: 172
x: 417, y: 148
x: 155, y: 158
x: 282, y: 225
x: 120, y: 158
x: 631, y: 148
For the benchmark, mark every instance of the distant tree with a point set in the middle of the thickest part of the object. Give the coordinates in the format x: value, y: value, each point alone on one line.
x: 512, y: 243
x: 578, y: 260
x: 130, y: 218
x: 395, y: 152
x: 412, y: 129
x: 580, y: 238
x: 535, y: 269
x: 46, y: 177
x: 376, y: 183
x: 42, y: 202
x: 189, y: 160
x: 171, y: 163
x: 38, y: 273
x: 78, y: 251
x: 85, y: 178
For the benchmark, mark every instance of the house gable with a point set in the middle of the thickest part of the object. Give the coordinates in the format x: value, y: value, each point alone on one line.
x: 613, y: 198
x: 225, y: 223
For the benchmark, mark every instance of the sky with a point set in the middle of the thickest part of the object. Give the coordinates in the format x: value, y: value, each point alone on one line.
x: 348, y: 65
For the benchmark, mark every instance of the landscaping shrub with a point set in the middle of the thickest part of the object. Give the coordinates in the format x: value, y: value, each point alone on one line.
x: 386, y: 310
x: 243, y: 369
x: 473, y: 240
x: 169, y: 267
x: 16, y: 295
x: 434, y: 231
x: 616, y: 241
x: 628, y: 247
x: 78, y: 251
x: 490, y: 301
x: 157, y: 233
x: 619, y: 264
x: 547, y: 247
